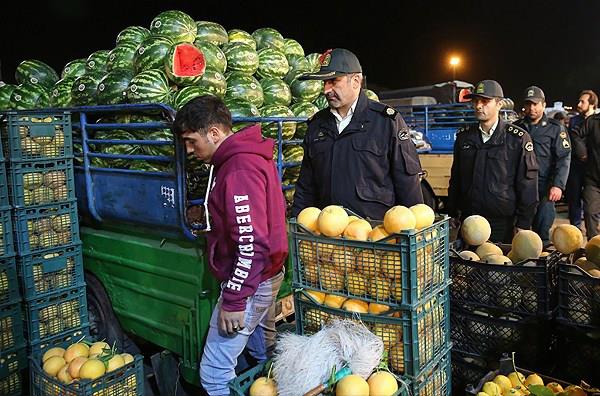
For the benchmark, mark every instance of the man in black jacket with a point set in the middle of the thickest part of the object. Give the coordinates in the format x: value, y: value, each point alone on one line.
x: 591, y: 190
x: 552, y: 149
x: 494, y: 171
x: 358, y: 152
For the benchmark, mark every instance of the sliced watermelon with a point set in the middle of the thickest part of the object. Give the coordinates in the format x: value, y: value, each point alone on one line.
x: 268, y: 38
x: 211, y: 32
x: 121, y: 57
x: 241, y: 58
x: 241, y: 36
x: 177, y: 25
x: 215, y: 58
x: 133, y: 34
x: 270, y: 129
x: 151, y: 53
x: 112, y: 89
x: 185, y: 64
x: 272, y: 63
x: 292, y: 47
x: 74, y: 68
x: 244, y: 87
x: 276, y: 92
x: 36, y: 72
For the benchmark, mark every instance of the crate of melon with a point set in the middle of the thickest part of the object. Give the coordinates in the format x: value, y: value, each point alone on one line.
x: 81, y: 366
x: 401, y: 261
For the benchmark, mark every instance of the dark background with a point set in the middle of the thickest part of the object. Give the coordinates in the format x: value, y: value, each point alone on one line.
x: 553, y: 44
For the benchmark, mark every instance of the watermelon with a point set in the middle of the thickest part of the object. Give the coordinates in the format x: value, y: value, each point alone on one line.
x: 303, y: 109
x: 241, y: 36
x: 245, y: 87
x: 186, y: 94
x: 29, y: 96
x: 211, y: 32
x: 133, y: 34
x: 150, y: 86
x: 272, y: 63
x: 268, y: 38
x: 270, y: 129
x: 314, y: 60
x: 371, y: 95
x: 74, y: 68
x: 290, y: 175
x: 293, y: 153
x: 96, y: 62
x: 215, y: 58
x: 185, y: 64
x: 112, y: 89
x: 305, y: 90
x: 84, y: 89
x: 321, y: 102
x: 275, y: 92
x: 177, y: 25
x: 36, y: 72
x: 126, y: 149
x: 150, y: 166
x: 121, y: 57
x: 241, y: 108
x: 6, y: 91
x: 241, y: 58
x: 213, y: 82
x: 289, y: 195
x: 151, y: 53
x: 164, y: 135
x: 292, y: 47
x: 61, y: 94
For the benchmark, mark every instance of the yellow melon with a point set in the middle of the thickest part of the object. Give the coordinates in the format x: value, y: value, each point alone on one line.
x: 377, y: 309
x: 380, y: 233
x: 356, y: 306
x: 475, y: 230
x: 367, y: 262
x: 358, y: 230
x: 332, y: 221
x: 526, y: 244
x: 497, y: 259
x: 334, y: 301
x: 356, y: 283
x: 317, y: 296
x: 351, y: 218
x: 424, y: 215
x: 379, y: 288
x: 391, y: 265
x: 382, y: 383
x: 584, y: 264
x: 396, y: 358
x: 567, y: 238
x: 311, y: 273
x: 307, y: 252
x: 331, y: 279
x: 469, y: 255
x: 592, y: 250
x: 487, y: 248
x: 352, y: 385
x: 399, y: 218
x: 308, y: 218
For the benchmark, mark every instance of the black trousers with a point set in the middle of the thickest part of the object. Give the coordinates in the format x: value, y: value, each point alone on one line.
x: 502, y: 229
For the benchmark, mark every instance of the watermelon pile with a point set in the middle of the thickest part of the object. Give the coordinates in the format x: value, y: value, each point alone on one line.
x: 174, y: 60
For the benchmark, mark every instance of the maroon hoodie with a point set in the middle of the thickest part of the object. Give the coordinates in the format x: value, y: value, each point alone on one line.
x: 248, y: 242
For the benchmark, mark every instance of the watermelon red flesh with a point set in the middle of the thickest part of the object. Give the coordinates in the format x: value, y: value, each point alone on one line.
x: 188, y: 61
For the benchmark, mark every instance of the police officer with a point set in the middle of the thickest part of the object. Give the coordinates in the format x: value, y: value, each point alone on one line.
x: 358, y: 152
x: 494, y: 170
x: 553, y: 152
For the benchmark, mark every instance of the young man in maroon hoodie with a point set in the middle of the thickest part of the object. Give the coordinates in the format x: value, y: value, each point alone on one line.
x: 247, y: 246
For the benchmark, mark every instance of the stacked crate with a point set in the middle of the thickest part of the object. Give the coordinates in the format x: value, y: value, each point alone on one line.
x: 499, y: 309
x: 38, y: 149
x: 13, y: 357
x: 400, y: 290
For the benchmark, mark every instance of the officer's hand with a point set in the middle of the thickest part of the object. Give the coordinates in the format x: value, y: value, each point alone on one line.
x: 454, y: 223
x: 230, y: 322
x: 555, y: 194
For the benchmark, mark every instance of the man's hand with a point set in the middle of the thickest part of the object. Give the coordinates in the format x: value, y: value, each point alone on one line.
x: 555, y: 194
x: 230, y: 322
x: 454, y: 223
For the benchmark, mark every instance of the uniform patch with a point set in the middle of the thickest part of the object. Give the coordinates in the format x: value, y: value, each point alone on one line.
x: 529, y: 146
x: 403, y: 135
x: 466, y: 146
x: 563, y: 134
x: 566, y: 144
x: 389, y: 111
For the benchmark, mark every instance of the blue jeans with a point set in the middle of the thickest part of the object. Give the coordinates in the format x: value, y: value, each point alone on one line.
x: 544, y: 218
x: 221, y: 351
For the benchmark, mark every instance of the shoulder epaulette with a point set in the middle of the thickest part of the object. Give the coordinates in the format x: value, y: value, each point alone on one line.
x: 383, y: 108
x: 515, y: 130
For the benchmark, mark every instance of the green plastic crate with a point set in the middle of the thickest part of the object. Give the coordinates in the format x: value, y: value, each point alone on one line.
x: 12, y: 363
x: 578, y: 296
x: 413, y: 264
x: 6, y: 233
x: 11, y: 327
x: 4, y: 202
x: 416, y: 337
x: 9, y: 284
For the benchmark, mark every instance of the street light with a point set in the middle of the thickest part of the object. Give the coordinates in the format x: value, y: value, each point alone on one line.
x: 454, y: 61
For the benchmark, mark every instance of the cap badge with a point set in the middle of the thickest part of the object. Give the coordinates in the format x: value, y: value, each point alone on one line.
x: 529, y: 146
x: 563, y: 134
x: 390, y: 111
x: 325, y: 58
x: 566, y: 144
x: 480, y: 88
x: 530, y: 93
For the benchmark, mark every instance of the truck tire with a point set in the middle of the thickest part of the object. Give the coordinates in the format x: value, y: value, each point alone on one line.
x: 428, y: 195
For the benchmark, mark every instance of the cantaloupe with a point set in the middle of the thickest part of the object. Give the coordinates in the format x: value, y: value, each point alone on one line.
x: 469, y: 255
x: 380, y: 233
x: 358, y: 230
x: 308, y: 218
x: 399, y: 218
x: 497, y: 259
x: 475, y: 230
x: 567, y: 238
x: 352, y: 385
x: 487, y: 248
x: 592, y: 250
x: 424, y: 215
x: 526, y: 244
x: 332, y: 221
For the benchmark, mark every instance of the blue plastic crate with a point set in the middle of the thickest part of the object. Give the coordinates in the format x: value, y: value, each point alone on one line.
x: 9, y: 284
x: 34, y: 135
x: 50, y: 271
x: 47, y: 182
x: 12, y: 362
x: 410, y: 267
x: 4, y: 201
x: 436, y: 380
x: 56, y: 314
x: 414, y: 336
x: 6, y: 233
x: 11, y: 327
x: 46, y: 227
x: 578, y: 296
x: 128, y: 380
x: 66, y: 338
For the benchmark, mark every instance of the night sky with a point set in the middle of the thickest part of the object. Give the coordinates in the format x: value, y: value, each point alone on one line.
x: 555, y: 45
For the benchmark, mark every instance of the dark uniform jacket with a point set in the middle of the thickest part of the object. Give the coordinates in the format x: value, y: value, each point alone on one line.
x: 369, y: 167
x: 579, y: 153
x: 496, y: 179
x: 590, y: 132
x: 552, y: 148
